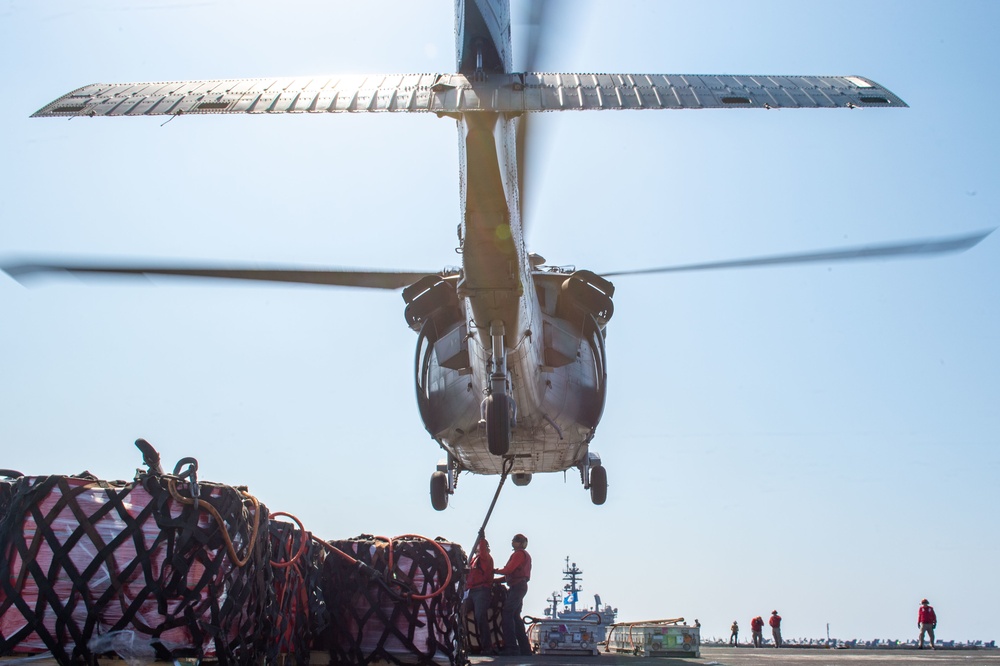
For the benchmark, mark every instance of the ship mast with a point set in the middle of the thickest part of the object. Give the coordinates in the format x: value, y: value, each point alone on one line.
x: 572, y: 574
x: 553, y: 611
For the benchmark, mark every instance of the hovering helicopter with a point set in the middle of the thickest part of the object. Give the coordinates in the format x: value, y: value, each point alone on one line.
x: 511, y: 367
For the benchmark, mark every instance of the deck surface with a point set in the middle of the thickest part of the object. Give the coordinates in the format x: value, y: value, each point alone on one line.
x: 710, y: 656
x: 715, y: 656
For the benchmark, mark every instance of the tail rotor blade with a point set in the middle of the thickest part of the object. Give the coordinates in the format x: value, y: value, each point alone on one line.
x: 537, y: 28
x: 539, y: 22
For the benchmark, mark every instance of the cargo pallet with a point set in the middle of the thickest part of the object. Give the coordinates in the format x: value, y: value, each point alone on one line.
x: 663, y: 638
x: 568, y: 637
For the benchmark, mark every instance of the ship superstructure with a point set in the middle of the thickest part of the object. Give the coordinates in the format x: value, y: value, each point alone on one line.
x: 570, y: 630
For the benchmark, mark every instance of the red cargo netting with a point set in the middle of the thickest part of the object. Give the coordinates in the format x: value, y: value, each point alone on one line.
x: 297, y: 561
x: 398, y: 603
x: 90, y: 566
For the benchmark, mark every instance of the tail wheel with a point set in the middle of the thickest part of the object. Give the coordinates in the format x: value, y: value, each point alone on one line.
x: 439, y: 491
x: 598, y: 484
x: 498, y: 423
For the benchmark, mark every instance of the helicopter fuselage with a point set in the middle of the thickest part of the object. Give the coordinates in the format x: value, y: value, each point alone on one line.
x: 500, y: 325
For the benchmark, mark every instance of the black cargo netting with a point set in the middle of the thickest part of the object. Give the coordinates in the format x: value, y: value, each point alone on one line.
x: 498, y: 594
x: 5, y: 493
x: 138, y: 569
x: 379, y: 613
x: 297, y: 560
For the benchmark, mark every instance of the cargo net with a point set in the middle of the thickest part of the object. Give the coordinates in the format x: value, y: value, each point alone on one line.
x: 399, y: 602
x: 297, y: 561
x: 142, y: 569
x: 7, y: 477
x: 498, y: 593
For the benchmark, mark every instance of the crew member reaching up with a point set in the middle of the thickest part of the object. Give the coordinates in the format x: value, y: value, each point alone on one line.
x: 480, y: 585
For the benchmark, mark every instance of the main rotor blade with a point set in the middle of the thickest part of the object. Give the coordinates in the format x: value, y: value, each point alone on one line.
x: 367, y: 279
x: 882, y: 251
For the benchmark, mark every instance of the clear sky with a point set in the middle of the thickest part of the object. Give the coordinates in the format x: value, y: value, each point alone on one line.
x: 820, y: 440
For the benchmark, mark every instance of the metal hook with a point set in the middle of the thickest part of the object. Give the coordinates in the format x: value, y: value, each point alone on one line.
x: 192, y: 474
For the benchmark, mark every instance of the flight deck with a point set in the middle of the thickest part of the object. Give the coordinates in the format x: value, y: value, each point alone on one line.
x: 746, y: 656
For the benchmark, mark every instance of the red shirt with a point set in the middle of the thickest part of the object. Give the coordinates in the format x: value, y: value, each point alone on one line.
x: 926, y: 615
x: 775, y: 621
x: 480, y: 568
x: 518, y: 568
x: 756, y: 624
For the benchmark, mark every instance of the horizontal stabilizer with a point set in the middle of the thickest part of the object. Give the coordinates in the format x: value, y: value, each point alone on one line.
x: 456, y: 93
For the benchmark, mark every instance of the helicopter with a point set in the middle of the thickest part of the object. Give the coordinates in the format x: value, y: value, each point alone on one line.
x: 511, y: 367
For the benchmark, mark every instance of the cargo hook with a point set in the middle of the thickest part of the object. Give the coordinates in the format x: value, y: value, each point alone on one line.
x: 192, y: 473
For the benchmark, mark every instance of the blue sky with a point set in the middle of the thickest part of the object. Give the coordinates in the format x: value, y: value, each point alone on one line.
x: 820, y: 440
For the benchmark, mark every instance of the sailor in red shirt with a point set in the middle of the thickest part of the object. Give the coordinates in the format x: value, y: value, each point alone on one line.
x: 756, y: 630
x: 480, y: 586
x: 516, y: 573
x: 775, y: 623
x: 927, y: 621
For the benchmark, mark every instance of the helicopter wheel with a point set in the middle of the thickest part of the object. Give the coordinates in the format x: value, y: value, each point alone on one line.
x: 439, y: 491
x: 498, y: 423
x: 598, y: 484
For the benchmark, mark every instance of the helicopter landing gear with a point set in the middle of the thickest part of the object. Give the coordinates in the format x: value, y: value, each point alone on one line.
x: 499, y: 405
x: 442, y: 484
x: 598, y: 484
x: 498, y: 423
x: 439, y: 491
x: 595, y: 478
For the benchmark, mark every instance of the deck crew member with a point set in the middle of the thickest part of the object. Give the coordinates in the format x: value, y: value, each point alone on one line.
x: 757, y: 629
x: 775, y: 623
x: 926, y: 621
x: 480, y: 584
x: 516, y: 573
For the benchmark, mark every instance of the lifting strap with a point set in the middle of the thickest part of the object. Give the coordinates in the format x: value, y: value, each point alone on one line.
x: 508, y: 465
